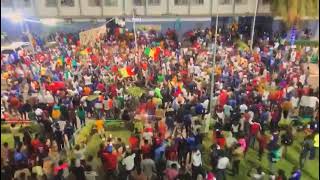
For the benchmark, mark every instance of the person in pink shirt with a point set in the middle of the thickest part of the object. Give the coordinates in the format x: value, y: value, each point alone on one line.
x: 171, y: 173
x: 242, y: 142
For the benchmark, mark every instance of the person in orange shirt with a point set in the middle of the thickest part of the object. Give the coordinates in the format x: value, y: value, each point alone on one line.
x: 86, y: 91
x: 162, y: 129
x: 100, y: 127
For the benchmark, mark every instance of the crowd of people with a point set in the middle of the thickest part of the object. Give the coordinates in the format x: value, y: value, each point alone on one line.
x: 254, y: 93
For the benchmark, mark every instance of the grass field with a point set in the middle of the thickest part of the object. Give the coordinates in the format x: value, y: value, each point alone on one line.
x: 310, y: 172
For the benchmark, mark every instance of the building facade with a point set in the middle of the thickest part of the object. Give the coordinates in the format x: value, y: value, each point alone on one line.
x: 95, y: 9
x: 178, y: 14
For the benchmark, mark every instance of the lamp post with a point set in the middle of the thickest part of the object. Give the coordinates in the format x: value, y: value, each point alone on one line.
x: 135, y: 34
x: 213, y: 66
x: 253, y: 24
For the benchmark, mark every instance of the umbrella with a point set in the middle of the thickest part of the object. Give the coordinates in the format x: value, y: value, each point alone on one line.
x: 92, y: 97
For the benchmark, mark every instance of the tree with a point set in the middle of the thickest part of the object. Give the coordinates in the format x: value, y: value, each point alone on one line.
x: 292, y: 11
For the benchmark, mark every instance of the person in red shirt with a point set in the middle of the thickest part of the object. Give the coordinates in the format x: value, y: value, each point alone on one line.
x: 35, y: 143
x: 110, y: 163
x: 100, y: 87
x: 133, y: 142
x: 263, y: 141
x: 221, y: 141
x: 255, y: 128
x: 14, y: 104
x: 146, y: 148
x: 171, y: 153
x: 150, y: 107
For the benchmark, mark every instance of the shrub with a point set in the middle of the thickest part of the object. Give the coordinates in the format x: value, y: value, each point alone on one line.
x: 33, y: 128
x: 84, y: 133
x: 114, y: 125
x: 307, y: 43
x: 5, y: 129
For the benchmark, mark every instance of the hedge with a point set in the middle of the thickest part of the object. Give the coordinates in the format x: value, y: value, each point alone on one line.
x: 307, y: 43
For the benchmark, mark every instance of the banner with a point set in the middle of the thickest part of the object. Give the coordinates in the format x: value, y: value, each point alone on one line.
x: 90, y: 36
x: 148, y: 27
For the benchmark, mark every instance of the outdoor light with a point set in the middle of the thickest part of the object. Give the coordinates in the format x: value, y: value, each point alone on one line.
x: 14, y: 17
x: 49, y: 21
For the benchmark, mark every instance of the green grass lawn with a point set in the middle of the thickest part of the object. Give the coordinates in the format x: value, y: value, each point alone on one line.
x: 310, y: 172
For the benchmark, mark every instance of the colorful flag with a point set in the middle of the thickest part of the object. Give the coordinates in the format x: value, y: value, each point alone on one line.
x: 123, y: 72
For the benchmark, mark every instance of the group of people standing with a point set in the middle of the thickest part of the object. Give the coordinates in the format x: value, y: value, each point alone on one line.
x: 254, y: 91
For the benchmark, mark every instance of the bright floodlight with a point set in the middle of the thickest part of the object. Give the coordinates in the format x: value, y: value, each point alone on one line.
x: 15, y: 17
x: 49, y: 21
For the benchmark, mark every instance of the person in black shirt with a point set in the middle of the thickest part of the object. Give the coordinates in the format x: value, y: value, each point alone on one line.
x: 183, y: 174
x: 58, y: 136
x: 78, y: 171
x: 69, y: 130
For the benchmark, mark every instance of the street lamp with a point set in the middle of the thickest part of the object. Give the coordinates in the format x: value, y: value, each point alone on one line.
x: 135, y: 34
x: 213, y: 66
x: 14, y: 17
x: 50, y: 21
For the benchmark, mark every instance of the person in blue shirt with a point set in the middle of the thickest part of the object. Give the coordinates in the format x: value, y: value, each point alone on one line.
x: 19, y: 157
x: 296, y: 174
x: 199, y: 109
x: 187, y: 121
x: 264, y: 117
x: 158, y: 152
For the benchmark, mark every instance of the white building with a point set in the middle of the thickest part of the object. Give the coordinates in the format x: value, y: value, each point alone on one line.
x: 97, y: 9
x: 192, y: 13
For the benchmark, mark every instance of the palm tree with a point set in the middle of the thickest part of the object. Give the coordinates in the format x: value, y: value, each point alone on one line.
x: 292, y: 11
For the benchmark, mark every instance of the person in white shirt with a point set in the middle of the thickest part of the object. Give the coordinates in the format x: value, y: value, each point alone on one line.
x: 259, y: 175
x: 128, y: 162
x: 223, y: 162
x: 87, y: 80
x: 90, y: 174
x: 243, y: 108
x: 23, y: 173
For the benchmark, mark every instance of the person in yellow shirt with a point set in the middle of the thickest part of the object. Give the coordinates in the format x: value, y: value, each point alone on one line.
x: 315, y: 146
x: 100, y: 127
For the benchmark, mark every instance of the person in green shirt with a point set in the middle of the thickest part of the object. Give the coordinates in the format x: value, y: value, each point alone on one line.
x: 82, y: 115
x: 15, y: 133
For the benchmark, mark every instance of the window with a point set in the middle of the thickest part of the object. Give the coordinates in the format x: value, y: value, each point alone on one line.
x: 23, y: 3
x: 197, y: 2
x: 69, y: 3
x: 180, y: 2
x: 51, y: 3
x: 224, y: 2
x: 154, y: 2
x: 94, y: 3
x: 139, y: 2
x: 241, y: 1
x: 111, y: 2
x: 6, y: 3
